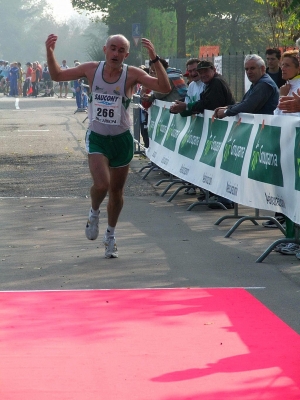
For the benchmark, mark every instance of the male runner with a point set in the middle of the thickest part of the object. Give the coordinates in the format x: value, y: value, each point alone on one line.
x: 109, y: 142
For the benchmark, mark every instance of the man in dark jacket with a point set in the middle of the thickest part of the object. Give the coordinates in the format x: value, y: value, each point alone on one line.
x: 273, y: 56
x: 216, y: 91
x: 261, y: 98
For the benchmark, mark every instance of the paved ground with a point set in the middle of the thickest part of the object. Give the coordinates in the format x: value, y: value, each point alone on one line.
x: 44, y: 203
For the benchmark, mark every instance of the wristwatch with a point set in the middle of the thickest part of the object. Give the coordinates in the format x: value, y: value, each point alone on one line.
x: 155, y: 59
x: 225, y: 111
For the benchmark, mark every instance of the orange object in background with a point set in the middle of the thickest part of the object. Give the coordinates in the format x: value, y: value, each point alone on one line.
x: 209, y: 51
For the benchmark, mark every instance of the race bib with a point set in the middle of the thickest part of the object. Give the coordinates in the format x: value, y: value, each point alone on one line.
x: 106, y: 108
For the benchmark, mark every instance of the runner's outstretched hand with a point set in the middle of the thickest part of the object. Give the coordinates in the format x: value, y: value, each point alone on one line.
x: 50, y: 42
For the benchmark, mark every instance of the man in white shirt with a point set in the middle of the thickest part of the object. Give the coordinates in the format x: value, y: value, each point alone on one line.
x: 193, y: 94
x: 194, y: 90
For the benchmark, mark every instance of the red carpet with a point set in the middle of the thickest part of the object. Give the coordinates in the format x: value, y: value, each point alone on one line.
x: 177, y: 344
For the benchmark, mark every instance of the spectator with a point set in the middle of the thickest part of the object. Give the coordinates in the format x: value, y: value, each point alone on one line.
x: 35, y: 76
x: 5, y: 77
x: 195, y: 88
x: 290, y: 72
x: 290, y: 104
x: 27, y: 82
x: 13, y: 79
x: 178, y: 85
x: 47, y: 81
x: 40, y: 68
x: 65, y: 84
x: 261, y: 98
x: 273, y: 61
x: 80, y: 93
x: 142, y: 91
x: 72, y: 82
x: 1, y: 67
x: 273, y: 56
x: 20, y: 80
x: 217, y: 93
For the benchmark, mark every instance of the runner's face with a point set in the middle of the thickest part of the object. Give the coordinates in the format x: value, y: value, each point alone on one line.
x: 116, y: 51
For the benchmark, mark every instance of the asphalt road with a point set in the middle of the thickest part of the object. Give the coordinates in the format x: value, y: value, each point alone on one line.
x: 44, y: 198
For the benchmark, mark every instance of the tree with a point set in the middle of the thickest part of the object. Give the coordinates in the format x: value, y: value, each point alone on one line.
x: 120, y: 12
x: 284, y: 22
x: 235, y: 26
x: 119, y: 15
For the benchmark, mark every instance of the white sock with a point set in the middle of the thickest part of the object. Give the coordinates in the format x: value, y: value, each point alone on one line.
x: 94, y: 212
x: 110, y: 231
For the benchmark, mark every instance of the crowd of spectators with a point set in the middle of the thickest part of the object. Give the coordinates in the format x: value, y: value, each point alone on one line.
x: 16, y: 81
x: 209, y: 91
x: 34, y: 80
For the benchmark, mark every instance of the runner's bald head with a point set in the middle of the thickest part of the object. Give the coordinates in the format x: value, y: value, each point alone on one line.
x: 117, y: 37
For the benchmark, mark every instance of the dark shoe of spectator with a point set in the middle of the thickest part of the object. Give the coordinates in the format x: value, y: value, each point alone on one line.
x: 271, y: 224
x: 228, y: 204
x: 190, y: 190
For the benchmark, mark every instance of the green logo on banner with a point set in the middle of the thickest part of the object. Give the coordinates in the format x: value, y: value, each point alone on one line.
x: 190, y: 142
x: 216, y: 133
x: 153, y: 115
x: 162, y: 125
x: 176, y: 126
x: 297, y: 159
x: 235, y: 147
x: 265, y: 165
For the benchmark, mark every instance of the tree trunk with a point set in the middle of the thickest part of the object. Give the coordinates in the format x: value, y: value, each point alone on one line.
x: 181, y: 15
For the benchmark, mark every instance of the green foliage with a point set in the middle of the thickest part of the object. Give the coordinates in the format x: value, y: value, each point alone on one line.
x: 283, y: 20
x: 234, y: 25
x: 161, y: 30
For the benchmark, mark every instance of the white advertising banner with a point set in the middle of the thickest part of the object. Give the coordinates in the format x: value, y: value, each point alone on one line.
x: 218, y: 64
x: 250, y: 159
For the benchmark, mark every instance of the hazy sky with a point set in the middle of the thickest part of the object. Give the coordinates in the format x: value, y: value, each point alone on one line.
x: 62, y: 8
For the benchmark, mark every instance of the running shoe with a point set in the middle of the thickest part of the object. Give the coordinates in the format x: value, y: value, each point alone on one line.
x: 92, y: 226
x: 290, y: 249
x: 279, y: 247
x: 111, y: 250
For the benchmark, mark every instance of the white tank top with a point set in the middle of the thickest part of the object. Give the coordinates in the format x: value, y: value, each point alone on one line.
x: 108, y: 109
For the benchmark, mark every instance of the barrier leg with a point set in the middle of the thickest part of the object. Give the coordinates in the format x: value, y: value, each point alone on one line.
x: 149, y: 170
x: 206, y: 202
x: 169, y: 187
x: 234, y: 215
x: 254, y: 220
x: 176, y: 192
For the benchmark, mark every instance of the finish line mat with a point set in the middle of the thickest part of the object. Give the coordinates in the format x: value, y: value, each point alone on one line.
x: 160, y: 344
